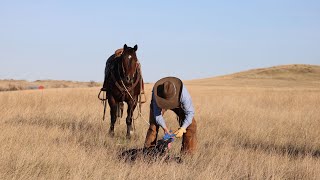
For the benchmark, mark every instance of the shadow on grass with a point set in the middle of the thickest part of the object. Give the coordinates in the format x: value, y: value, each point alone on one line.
x: 284, y: 150
x: 72, y: 125
x: 80, y: 131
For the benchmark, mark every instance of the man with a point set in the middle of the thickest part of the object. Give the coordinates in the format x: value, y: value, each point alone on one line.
x: 170, y: 93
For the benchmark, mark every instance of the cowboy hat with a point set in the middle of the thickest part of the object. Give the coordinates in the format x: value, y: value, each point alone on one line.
x: 167, y: 92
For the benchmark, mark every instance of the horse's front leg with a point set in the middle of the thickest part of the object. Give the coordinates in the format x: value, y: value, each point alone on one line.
x: 130, y: 110
x: 113, y: 114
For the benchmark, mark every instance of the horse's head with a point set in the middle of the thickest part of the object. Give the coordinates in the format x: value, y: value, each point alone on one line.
x: 129, y: 63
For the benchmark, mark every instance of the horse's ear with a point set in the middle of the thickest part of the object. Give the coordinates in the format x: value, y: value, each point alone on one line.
x: 135, y: 47
x: 125, y: 46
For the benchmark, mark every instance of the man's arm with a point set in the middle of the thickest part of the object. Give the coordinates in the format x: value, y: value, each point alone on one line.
x: 157, y: 114
x: 187, y: 107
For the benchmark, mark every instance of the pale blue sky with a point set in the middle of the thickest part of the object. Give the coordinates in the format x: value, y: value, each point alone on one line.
x: 71, y: 40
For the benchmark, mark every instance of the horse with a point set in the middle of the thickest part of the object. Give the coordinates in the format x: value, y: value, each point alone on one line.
x: 124, y: 85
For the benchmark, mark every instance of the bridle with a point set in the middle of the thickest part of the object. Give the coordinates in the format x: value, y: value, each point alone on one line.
x: 123, y: 88
x: 124, y: 71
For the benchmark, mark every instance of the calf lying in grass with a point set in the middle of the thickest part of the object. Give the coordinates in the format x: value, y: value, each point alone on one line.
x: 158, y: 152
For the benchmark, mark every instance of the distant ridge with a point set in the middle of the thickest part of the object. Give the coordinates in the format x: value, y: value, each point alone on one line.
x: 282, y: 72
x: 293, y: 75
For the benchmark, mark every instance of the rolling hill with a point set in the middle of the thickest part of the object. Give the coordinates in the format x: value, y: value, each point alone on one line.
x: 284, y: 72
x: 276, y: 76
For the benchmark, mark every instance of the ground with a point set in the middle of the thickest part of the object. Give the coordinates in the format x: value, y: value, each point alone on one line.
x: 249, y: 127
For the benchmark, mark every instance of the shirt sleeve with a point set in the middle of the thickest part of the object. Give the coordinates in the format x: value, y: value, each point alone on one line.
x: 187, y: 107
x: 157, y: 113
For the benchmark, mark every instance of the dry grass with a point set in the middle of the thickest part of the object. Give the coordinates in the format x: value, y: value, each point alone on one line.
x: 245, y: 132
x: 14, y: 85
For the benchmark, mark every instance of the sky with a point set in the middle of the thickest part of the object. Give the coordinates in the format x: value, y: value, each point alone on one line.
x: 71, y: 40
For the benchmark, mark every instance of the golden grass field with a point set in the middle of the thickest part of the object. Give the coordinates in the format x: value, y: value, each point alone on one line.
x: 14, y: 85
x: 249, y: 127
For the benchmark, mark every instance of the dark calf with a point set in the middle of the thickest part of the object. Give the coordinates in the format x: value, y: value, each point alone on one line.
x: 151, y: 154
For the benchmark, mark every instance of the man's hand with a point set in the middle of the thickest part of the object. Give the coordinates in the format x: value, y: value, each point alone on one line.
x: 168, y: 136
x: 180, y: 132
x: 166, y: 131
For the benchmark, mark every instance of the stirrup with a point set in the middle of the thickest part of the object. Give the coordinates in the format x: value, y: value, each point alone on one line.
x: 103, y: 89
x: 104, y: 95
x: 142, y: 97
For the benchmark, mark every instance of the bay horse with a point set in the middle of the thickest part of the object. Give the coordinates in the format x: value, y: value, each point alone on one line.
x: 124, y: 85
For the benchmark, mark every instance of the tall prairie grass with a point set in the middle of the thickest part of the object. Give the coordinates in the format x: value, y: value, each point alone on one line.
x: 15, y: 85
x: 243, y: 133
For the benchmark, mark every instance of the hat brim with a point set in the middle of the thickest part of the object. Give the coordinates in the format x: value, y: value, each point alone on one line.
x: 174, y: 101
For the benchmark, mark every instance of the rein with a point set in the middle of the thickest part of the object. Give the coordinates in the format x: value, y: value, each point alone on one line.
x: 134, y: 101
x: 124, y: 89
x: 139, y: 106
x: 127, y: 90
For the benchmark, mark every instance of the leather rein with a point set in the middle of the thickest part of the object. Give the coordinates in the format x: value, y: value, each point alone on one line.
x: 122, y: 87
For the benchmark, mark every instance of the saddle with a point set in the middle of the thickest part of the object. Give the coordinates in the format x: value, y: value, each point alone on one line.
x: 118, y: 53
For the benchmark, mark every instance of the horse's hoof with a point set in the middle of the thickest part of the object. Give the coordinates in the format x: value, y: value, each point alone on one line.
x: 128, y: 136
x: 111, y: 133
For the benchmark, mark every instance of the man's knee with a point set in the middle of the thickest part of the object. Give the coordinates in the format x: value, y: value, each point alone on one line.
x: 192, y: 127
x: 151, y: 136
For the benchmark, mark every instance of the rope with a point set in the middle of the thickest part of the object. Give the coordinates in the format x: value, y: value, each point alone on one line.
x: 139, y: 111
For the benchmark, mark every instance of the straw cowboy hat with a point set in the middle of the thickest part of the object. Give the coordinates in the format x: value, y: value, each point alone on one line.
x: 167, y: 92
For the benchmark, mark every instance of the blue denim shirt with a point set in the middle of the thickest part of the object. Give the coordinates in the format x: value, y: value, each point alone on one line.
x: 186, y: 104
